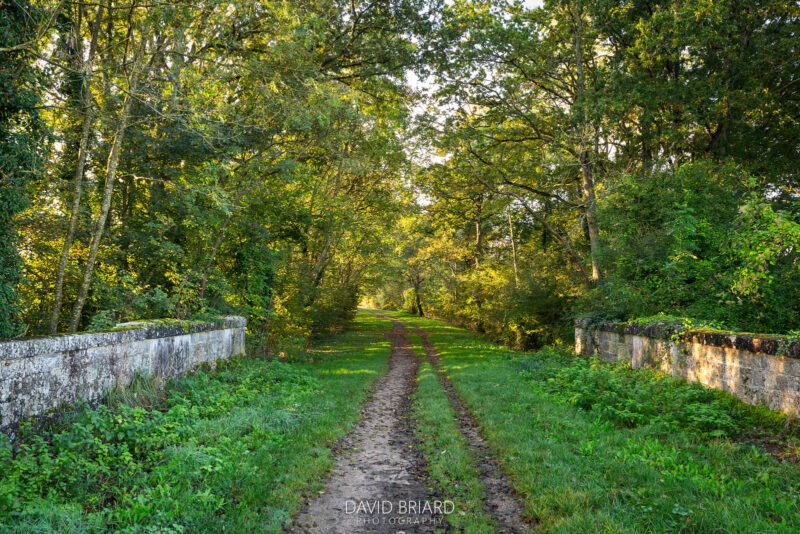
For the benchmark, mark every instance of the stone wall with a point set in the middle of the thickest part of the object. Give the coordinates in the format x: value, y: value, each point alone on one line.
x: 38, y: 375
x: 757, y: 369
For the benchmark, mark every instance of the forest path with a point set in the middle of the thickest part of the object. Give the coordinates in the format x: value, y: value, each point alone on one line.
x: 379, y: 475
x: 503, y: 501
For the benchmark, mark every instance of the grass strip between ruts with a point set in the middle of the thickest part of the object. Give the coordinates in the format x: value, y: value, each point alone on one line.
x: 450, y: 462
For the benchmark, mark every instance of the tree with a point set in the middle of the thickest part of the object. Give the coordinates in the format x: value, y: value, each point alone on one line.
x: 528, y: 81
x: 22, y: 132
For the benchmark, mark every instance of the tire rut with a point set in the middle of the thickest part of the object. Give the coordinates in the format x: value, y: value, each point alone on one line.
x: 378, y: 466
x: 502, y: 499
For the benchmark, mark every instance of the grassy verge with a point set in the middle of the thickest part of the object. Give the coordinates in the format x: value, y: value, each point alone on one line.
x: 450, y: 462
x: 225, y: 450
x: 572, y: 436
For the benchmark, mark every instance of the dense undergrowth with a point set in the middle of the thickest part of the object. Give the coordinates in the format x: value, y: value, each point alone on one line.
x: 229, y: 449
x: 634, y: 397
x: 594, y: 447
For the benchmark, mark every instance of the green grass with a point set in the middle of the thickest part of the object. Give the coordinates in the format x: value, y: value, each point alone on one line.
x: 590, y: 447
x: 230, y: 450
x: 582, y: 469
x: 450, y: 463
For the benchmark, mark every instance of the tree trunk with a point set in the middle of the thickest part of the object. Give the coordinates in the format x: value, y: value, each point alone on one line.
x: 478, y: 243
x: 77, y: 187
x: 591, y: 222
x: 111, y: 172
x: 418, y: 303
x: 478, y: 257
x: 319, y: 266
x: 478, y: 232
x: 585, y: 155
x: 513, y: 248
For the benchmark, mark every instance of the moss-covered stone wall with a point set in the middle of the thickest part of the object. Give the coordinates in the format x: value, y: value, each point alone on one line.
x: 759, y: 369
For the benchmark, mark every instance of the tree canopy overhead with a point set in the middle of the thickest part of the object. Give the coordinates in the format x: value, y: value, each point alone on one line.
x: 272, y: 159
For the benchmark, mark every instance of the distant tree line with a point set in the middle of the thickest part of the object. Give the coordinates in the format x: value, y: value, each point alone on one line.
x: 618, y: 159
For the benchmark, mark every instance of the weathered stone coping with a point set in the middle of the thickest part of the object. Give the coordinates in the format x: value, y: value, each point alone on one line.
x: 772, y: 345
x: 28, y: 347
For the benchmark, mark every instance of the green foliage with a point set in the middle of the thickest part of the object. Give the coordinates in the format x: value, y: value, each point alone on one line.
x: 22, y: 133
x: 763, y: 238
x: 630, y: 398
x: 102, y: 454
x: 593, y: 158
x: 256, y: 173
x: 575, y: 157
x: 686, y: 243
x: 675, y: 326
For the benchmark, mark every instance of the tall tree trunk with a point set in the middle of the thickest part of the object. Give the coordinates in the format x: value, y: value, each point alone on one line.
x: 585, y: 156
x: 478, y: 257
x: 478, y: 232
x: 77, y: 187
x: 111, y: 172
x: 513, y: 248
x: 591, y: 222
x: 319, y: 266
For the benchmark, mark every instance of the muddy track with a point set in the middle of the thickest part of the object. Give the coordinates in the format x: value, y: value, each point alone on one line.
x: 379, y: 475
x: 502, y: 499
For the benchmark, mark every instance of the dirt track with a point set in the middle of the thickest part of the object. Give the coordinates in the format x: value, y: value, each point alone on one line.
x: 501, y: 498
x: 379, y: 483
x: 379, y: 475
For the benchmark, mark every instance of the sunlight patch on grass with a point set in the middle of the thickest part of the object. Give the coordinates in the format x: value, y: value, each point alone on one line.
x: 349, y: 371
